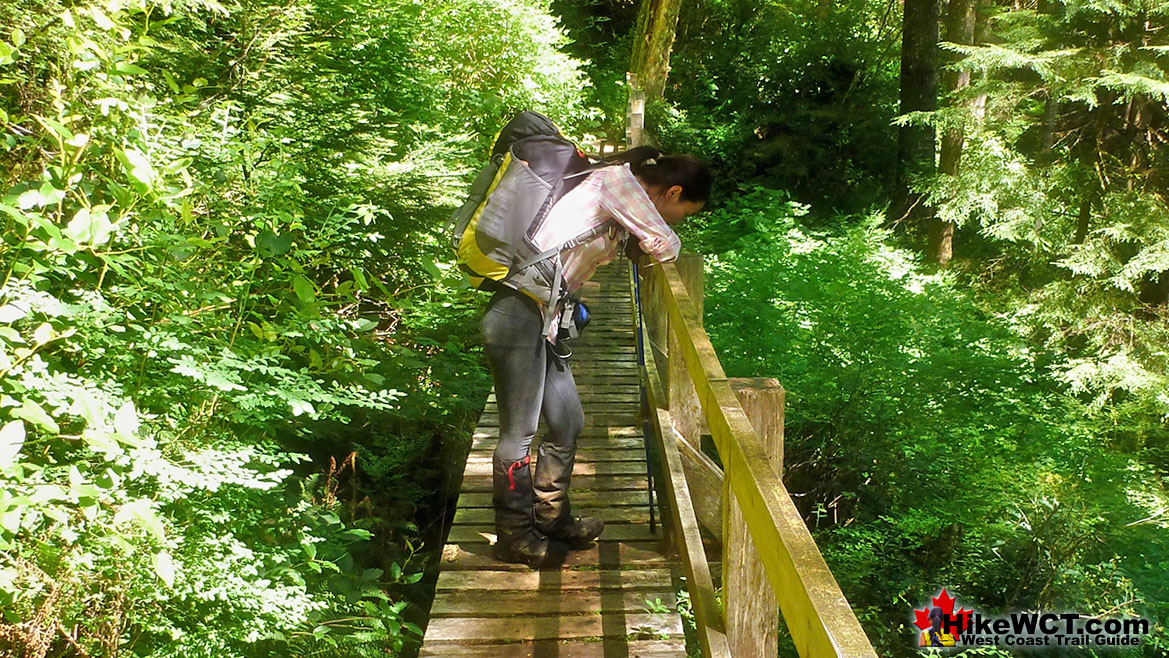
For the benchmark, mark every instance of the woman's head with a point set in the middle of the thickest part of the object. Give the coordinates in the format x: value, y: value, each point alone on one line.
x: 678, y: 185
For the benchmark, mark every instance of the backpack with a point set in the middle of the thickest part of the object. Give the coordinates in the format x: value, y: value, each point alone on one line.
x: 532, y: 167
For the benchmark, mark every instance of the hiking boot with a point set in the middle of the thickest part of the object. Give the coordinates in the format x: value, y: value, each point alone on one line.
x: 553, y: 509
x: 532, y: 548
x: 578, y: 532
x: 517, y: 539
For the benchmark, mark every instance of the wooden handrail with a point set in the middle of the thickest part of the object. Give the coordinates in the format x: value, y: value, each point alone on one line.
x: 818, y: 616
x: 712, y: 635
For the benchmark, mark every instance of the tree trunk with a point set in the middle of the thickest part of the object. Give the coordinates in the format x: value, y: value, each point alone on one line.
x: 982, y: 35
x: 1082, y: 219
x: 652, y: 40
x: 1047, y: 130
x: 959, y: 29
x: 919, y: 93
x: 1088, y: 155
x: 1046, y: 154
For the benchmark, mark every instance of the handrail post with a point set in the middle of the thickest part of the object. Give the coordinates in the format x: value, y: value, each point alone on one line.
x: 656, y: 319
x: 691, y: 269
x: 653, y: 304
x: 703, y: 474
x: 752, y: 613
x: 685, y: 408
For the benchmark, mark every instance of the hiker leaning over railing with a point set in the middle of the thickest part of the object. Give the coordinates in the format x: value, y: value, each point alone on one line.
x: 580, y: 218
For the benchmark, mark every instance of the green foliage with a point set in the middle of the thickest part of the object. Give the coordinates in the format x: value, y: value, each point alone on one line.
x: 221, y: 229
x: 798, y: 96
x: 926, y: 442
x: 1059, y: 184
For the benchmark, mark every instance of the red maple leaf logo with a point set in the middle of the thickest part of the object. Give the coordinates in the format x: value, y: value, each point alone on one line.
x: 923, y: 618
x: 946, y: 603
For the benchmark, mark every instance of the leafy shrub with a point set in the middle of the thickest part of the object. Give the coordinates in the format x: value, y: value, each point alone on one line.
x: 925, y: 443
x: 218, y: 258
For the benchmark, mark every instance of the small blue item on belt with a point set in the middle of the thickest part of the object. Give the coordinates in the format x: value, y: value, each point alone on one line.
x: 575, y: 318
x: 581, y: 316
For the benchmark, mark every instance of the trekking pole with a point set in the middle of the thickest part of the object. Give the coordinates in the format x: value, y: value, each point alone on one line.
x: 645, y: 422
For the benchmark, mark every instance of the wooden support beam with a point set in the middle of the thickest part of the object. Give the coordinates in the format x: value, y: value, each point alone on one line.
x: 691, y: 269
x: 751, y: 609
x: 702, y: 474
x: 654, y: 316
x: 685, y: 408
x: 706, y: 483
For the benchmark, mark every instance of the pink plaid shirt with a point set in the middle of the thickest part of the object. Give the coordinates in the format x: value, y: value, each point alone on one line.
x: 608, y: 193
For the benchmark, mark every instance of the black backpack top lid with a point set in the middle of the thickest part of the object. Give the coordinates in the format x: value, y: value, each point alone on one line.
x: 525, y: 124
x: 534, y: 139
x: 552, y: 158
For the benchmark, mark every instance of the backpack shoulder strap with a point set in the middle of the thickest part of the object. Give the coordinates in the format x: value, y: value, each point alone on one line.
x: 577, y: 240
x: 567, y: 244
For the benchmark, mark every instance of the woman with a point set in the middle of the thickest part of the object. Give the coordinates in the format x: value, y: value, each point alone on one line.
x: 645, y: 195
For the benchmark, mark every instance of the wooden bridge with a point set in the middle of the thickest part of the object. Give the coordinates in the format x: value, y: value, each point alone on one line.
x: 619, y: 599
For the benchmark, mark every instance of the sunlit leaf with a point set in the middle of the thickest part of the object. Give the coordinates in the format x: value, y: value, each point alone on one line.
x: 126, y: 421
x: 137, y: 166
x: 268, y: 244
x: 11, y: 441
x: 10, y: 313
x: 7, y: 53
x: 31, y: 199
x: 43, y: 333
x: 79, y: 228
x: 141, y: 512
x: 125, y: 68
x: 36, y: 414
x: 55, y: 127
x: 101, y: 19
x: 87, y: 407
x: 304, y: 290
x: 164, y: 567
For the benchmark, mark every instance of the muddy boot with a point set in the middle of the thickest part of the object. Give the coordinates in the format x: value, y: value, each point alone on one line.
x: 517, y: 539
x: 553, y: 510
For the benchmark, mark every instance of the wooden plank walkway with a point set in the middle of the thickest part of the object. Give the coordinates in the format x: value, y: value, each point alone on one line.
x: 596, y: 606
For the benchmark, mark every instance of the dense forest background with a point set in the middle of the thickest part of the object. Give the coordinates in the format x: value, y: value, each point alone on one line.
x: 238, y: 367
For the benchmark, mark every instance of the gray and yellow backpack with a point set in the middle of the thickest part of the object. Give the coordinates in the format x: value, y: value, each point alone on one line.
x: 532, y: 166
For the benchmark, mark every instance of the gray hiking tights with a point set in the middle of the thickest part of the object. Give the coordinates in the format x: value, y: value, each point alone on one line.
x: 529, y: 380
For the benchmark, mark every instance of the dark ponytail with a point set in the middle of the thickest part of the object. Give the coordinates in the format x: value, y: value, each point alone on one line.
x: 666, y: 171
